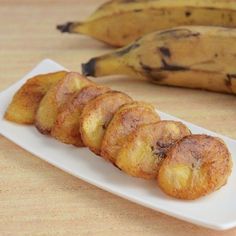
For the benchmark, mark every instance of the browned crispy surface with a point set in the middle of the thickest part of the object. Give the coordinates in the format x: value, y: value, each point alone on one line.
x: 125, y: 120
x: 146, y: 147
x: 37, y: 198
x: 96, y: 116
x: 66, y: 127
x: 25, y: 102
x: 195, y: 166
x: 55, y: 98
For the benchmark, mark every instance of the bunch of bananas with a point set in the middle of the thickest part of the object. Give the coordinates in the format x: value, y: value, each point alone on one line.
x: 187, y: 43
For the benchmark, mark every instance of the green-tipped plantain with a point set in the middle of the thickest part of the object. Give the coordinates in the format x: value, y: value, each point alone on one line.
x: 201, y: 57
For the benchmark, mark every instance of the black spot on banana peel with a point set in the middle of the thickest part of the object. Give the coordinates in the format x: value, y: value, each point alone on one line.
x: 188, y: 13
x: 138, y: 10
x: 127, y: 49
x: 160, y: 73
x: 165, y: 51
x: 179, y: 33
x: 130, y: 1
x: 211, y: 8
x: 228, y: 80
x: 152, y: 74
x: 165, y: 67
x: 171, y: 67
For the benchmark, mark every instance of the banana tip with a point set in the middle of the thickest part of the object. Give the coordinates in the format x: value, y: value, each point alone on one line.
x: 88, y: 69
x: 65, y: 28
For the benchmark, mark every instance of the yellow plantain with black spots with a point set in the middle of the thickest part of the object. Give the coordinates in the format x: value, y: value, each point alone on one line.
x: 119, y: 22
x: 201, y: 57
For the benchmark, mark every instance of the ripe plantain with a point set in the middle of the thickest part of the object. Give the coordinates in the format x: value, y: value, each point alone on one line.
x: 126, y: 119
x: 195, y: 166
x: 96, y: 116
x: 66, y: 127
x: 190, y: 56
x: 25, y: 102
x: 146, y: 148
x: 56, y: 98
x: 120, y: 22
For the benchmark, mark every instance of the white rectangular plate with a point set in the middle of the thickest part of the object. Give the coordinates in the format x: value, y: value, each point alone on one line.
x: 216, y: 211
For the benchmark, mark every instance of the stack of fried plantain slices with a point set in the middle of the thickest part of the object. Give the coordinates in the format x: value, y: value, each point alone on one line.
x: 128, y: 133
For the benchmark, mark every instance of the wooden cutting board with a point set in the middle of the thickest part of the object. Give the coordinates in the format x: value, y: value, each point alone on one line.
x: 37, y: 198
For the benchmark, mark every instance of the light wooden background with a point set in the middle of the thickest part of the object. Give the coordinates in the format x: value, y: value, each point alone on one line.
x: 38, y: 199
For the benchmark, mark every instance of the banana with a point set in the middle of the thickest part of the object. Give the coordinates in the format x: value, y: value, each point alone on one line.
x: 201, y: 57
x: 119, y: 22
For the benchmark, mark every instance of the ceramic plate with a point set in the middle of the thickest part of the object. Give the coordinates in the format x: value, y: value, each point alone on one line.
x: 216, y: 211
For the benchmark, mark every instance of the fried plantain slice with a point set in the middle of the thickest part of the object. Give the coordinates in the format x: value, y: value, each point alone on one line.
x: 25, y: 102
x: 195, y: 166
x: 96, y: 116
x: 125, y: 120
x: 146, y: 147
x: 55, y: 98
x: 66, y: 128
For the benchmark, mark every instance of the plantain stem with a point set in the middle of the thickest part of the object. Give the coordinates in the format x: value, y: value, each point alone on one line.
x: 71, y: 27
x: 88, y: 69
x: 65, y: 28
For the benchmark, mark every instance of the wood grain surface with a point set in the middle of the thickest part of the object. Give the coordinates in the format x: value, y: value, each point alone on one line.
x: 38, y: 199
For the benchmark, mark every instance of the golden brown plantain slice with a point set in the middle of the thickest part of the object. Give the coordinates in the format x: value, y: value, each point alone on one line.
x: 125, y: 120
x: 96, y: 116
x: 25, y: 102
x: 55, y: 98
x: 66, y: 128
x: 195, y: 166
x: 146, y: 147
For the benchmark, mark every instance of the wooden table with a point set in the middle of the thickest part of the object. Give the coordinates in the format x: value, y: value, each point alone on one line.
x: 39, y: 199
